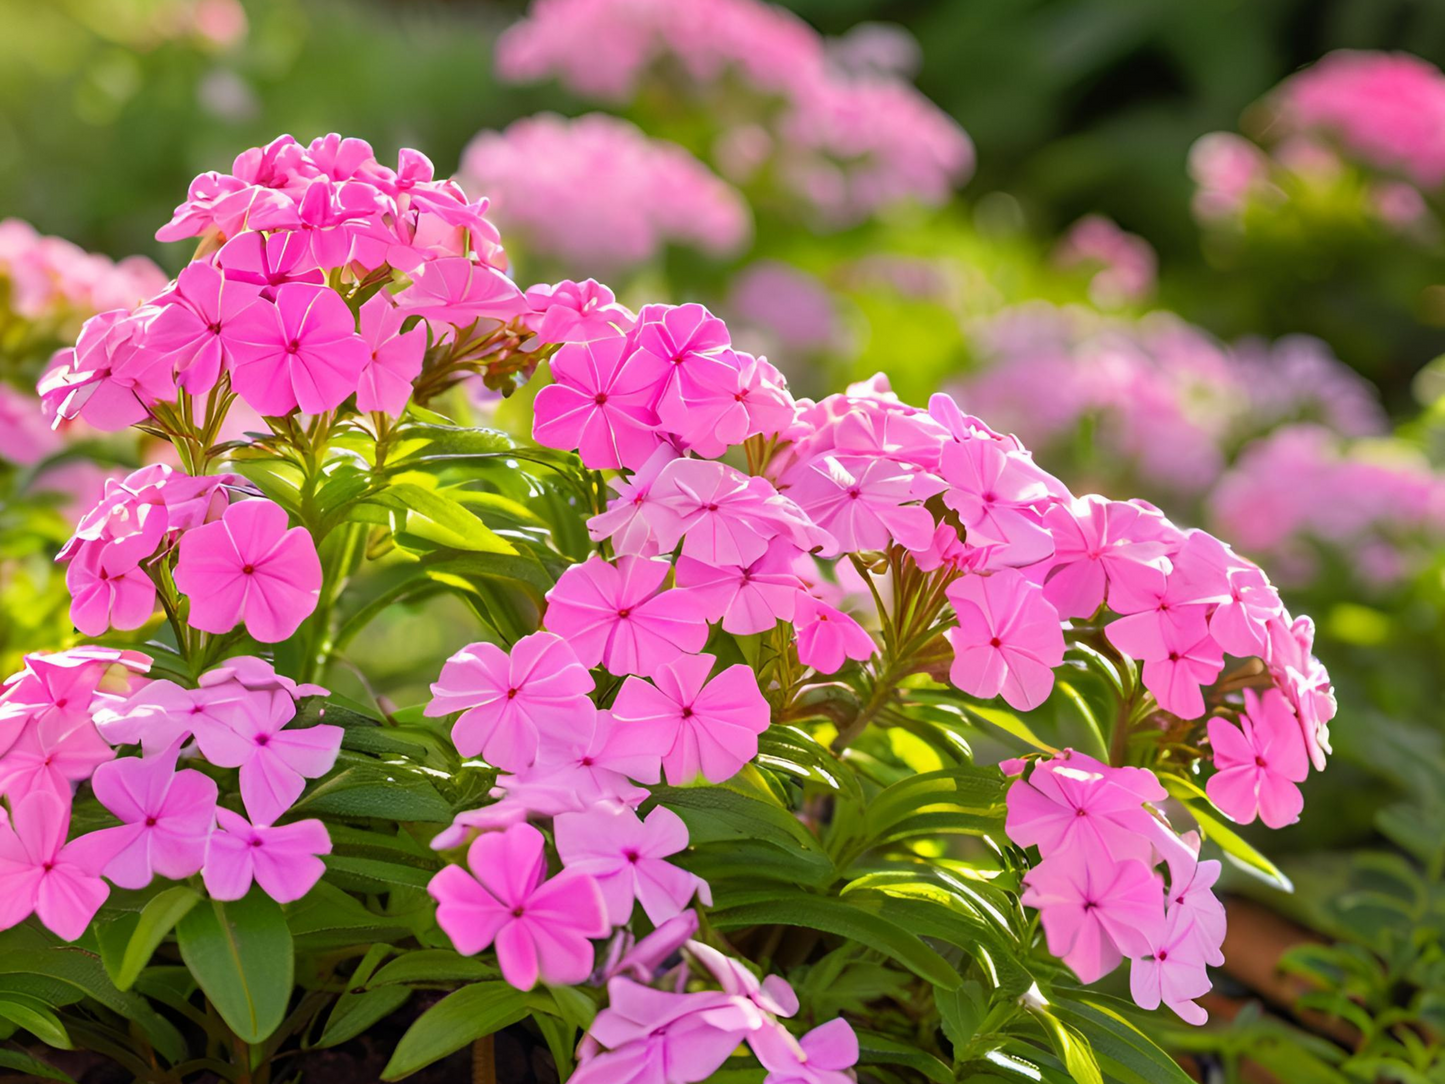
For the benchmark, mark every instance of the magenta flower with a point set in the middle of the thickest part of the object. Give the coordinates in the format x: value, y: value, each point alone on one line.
x: 995, y: 492
x: 110, y: 379
x: 600, y: 404
x: 541, y: 928
x: 108, y: 587
x: 300, y: 351
x: 1075, y: 803
x: 577, y: 312
x: 824, y: 1055
x: 267, y: 261
x: 864, y: 503
x: 625, y: 856
x: 724, y: 517
x: 1093, y: 910
x: 1008, y: 638
x: 49, y: 756
x: 1178, y: 654
x: 690, y: 348
x: 275, y: 762
x: 455, y: 290
x: 194, y: 325
x: 1240, y: 624
x: 1190, y: 895
x: 599, y: 760
x: 1172, y: 972
x: 1259, y: 762
x: 57, y: 692
x: 613, y: 613
x: 58, y: 882
x: 282, y: 859
x: 640, y: 959
x: 1096, y: 543
x: 826, y: 636
x: 507, y: 700
x: 746, y: 599
x: 396, y: 357
x: 714, y: 724
x: 630, y: 515
x: 248, y: 567
x: 168, y: 817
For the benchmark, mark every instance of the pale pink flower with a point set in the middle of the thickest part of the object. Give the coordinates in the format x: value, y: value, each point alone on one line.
x: 108, y: 587
x: 626, y: 855
x: 300, y: 351
x: 1172, y: 972
x: 746, y: 598
x: 1094, y: 911
x: 577, y: 312
x: 396, y: 357
x: 541, y: 928
x: 194, y: 325
x: 58, y: 882
x: 1073, y: 802
x: 827, y: 636
x: 110, y: 379
x: 50, y: 755
x: 458, y: 291
x: 640, y: 959
x: 1096, y: 545
x: 629, y: 516
x: 163, y: 712
x: 1008, y: 639
x: 996, y: 493
x: 508, y: 699
x: 598, y: 760
x: 714, y: 723
x: 61, y: 690
x: 613, y: 613
x: 247, y: 566
x: 1259, y: 762
x: 282, y: 859
x: 275, y: 761
x: 825, y: 1055
x: 722, y: 516
x: 167, y: 817
x: 865, y: 503
x: 1179, y: 656
x: 600, y: 404
x: 1190, y: 893
x: 772, y: 995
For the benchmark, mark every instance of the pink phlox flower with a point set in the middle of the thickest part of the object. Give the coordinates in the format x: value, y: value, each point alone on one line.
x: 764, y: 397
x: 1172, y: 972
x: 615, y: 614
x: 1178, y: 654
x: 283, y: 859
x: 640, y: 959
x: 1259, y: 762
x: 110, y: 379
x: 772, y: 995
x: 669, y: 1038
x: 167, y: 817
x: 56, y: 881
x: 331, y: 213
x: 248, y: 566
x: 1303, y: 680
x: 60, y: 691
x: 692, y: 348
x: 598, y: 759
x: 747, y: 598
x: 600, y: 404
x: 163, y: 713
x: 625, y: 855
x: 1008, y: 638
x: 1190, y: 893
x: 912, y: 437
x: 258, y: 675
x: 714, y: 724
x: 229, y: 205
x: 866, y: 503
x: 1094, y: 548
x: 577, y: 312
x: 275, y: 761
x: 1076, y: 803
x: 396, y: 357
x: 108, y: 587
x: 825, y: 1055
x: 1240, y: 624
x: 721, y: 515
x: 997, y: 494
x: 508, y: 699
x: 269, y: 261
x: 1094, y: 910
x: 458, y: 291
x: 300, y: 351
x: 193, y: 326
x: 50, y: 756
x: 826, y: 636
x: 628, y: 519
x: 541, y: 928
x: 344, y: 157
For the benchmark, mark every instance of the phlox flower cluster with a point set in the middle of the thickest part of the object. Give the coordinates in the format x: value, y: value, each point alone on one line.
x: 1127, y: 268
x: 1303, y: 489
x: 1171, y: 403
x: 51, y: 282
x: 91, y: 715
x: 845, y: 138
x: 611, y: 197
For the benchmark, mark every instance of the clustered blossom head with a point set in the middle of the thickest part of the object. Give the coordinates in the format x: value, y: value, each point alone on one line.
x: 845, y: 138
x: 1303, y: 489
x: 640, y: 194
x: 1126, y: 267
x: 50, y: 281
x: 91, y: 716
x: 1172, y: 401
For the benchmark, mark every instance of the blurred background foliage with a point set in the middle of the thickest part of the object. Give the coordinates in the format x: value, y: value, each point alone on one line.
x: 108, y: 108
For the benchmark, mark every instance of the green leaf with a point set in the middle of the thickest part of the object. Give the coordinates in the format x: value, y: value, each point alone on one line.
x: 960, y: 1012
x: 453, y: 1022
x: 438, y: 518
x: 157, y: 919
x: 369, y: 789
x: 1072, y: 1048
x: 24, y: 1063
x: 241, y: 955
x: 795, y: 752
x: 35, y: 1017
x: 416, y: 442
x: 722, y: 814
x: 428, y: 967
x: 973, y: 797
x: 860, y: 921
x: 1124, y: 1051
x: 328, y: 918
x: 355, y: 1012
x: 875, y: 1049
x: 1010, y: 723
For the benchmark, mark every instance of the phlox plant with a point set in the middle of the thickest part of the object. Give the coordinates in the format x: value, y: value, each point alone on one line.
x: 696, y: 796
